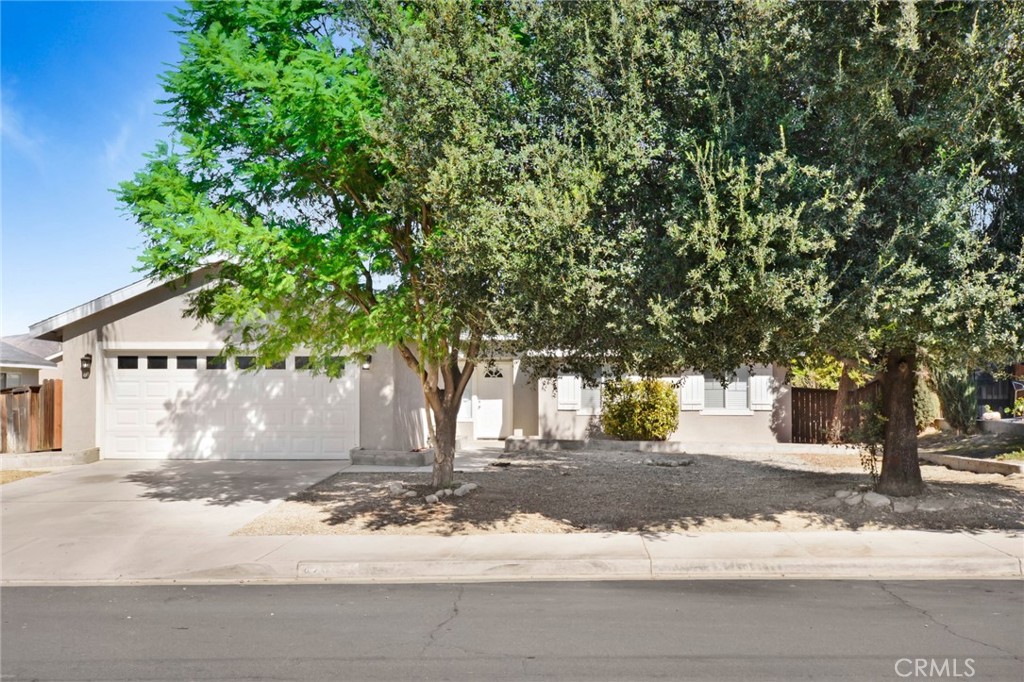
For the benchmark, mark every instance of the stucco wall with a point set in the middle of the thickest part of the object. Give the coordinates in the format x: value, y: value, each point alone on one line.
x: 774, y: 426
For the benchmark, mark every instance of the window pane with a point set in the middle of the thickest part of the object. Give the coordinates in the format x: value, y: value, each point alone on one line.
x: 187, y: 362
x: 156, y: 362
x: 301, y: 361
x: 244, y: 361
x: 714, y: 394
x: 590, y: 399
x: 276, y: 365
x: 127, y: 361
x: 216, y: 362
x: 736, y: 394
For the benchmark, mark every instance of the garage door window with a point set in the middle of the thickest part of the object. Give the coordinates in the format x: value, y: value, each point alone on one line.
x: 156, y: 362
x: 187, y: 362
x: 127, y: 361
x: 216, y: 362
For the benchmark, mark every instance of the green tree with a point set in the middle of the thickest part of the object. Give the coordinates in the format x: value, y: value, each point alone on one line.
x: 365, y: 173
x: 784, y: 177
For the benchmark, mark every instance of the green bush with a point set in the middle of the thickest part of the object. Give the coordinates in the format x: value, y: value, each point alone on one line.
x: 926, y: 404
x: 639, y: 410
x: 957, y: 395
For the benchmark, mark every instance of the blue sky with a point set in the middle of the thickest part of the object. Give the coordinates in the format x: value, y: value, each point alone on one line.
x: 78, y: 84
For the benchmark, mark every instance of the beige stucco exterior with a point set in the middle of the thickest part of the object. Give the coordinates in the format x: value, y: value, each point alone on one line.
x: 753, y: 426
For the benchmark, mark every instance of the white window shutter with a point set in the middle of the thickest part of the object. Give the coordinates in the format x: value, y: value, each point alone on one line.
x: 568, y: 392
x: 761, y: 395
x: 466, y: 408
x: 691, y: 392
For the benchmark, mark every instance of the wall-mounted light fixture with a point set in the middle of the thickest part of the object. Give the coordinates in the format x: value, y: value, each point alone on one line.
x: 366, y: 361
x: 86, y: 365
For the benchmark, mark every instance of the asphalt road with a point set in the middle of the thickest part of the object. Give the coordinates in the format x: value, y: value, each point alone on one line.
x: 703, y: 630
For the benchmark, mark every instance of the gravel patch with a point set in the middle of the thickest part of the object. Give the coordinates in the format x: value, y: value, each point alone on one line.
x: 554, y: 492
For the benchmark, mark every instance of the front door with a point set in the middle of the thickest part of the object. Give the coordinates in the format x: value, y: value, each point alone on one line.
x: 492, y: 401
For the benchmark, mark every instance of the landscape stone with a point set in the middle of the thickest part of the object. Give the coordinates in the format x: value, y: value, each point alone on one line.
x: 447, y: 492
x: 430, y: 499
x: 396, y: 488
x: 830, y: 503
x: 842, y: 494
x: 873, y: 499
x: 409, y: 493
x: 853, y: 499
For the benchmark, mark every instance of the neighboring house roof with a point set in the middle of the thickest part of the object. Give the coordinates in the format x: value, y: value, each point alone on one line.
x: 51, y: 350
x: 12, y: 356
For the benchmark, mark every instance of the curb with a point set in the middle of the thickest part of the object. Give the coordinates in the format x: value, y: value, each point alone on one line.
x: 45, y: 460
x: 423, y: 572
x: 978, y: 466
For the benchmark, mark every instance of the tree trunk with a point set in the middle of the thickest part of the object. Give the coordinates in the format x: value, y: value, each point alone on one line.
x: 901, y: 473
x: 444, y: 445
x: 836, y: 430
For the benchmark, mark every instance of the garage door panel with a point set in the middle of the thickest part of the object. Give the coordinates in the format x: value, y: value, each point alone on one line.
x: 226, y: 414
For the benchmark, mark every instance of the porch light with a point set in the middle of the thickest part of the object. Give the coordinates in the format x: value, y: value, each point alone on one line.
x: 366, y: 361
x: 86, y: 365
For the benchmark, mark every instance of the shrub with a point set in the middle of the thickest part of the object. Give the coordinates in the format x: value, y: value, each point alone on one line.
x: 639, y: 410
x: 926, y: 404
x: 957, y: 395
x: 1018, y: 408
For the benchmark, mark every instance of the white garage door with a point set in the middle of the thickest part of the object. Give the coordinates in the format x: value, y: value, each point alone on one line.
x: 179, y: 406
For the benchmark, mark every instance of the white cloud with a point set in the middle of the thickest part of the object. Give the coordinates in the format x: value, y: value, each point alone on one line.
x: 16, y: 135
x: 114, y: 149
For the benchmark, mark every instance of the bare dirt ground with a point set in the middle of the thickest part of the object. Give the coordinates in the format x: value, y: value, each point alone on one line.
x: 556, y: 492
x: 982, y: 445
x: 12, y: 475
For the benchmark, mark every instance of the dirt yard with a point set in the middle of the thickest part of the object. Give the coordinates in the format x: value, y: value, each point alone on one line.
x: 556, y: 492
x: 12, y: 475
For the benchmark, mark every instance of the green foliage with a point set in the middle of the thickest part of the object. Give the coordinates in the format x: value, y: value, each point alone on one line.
x: 926, y: 404
x: 1017, y: 410
x: 957, y: 395
x: 822, y: 371
x: 870, y: 435
x: 647, y: 409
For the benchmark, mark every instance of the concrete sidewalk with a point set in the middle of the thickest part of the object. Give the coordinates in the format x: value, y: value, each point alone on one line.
x: 154, y: 522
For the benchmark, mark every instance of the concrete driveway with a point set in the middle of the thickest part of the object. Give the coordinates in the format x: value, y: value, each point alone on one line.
x: 140, y: 520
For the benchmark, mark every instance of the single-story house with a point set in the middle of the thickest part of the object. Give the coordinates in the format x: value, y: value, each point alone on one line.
x: 142, y: 381
x: 26, y: 361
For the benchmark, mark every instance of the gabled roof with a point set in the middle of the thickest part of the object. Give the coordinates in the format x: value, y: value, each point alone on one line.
x: 51, y: 329
x: 12, y: 356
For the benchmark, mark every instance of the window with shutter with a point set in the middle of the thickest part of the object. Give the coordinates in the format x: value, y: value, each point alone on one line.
x: 734, y: 397
x: 590, y: 399
x: 691, y: 393
x: 568, y: 389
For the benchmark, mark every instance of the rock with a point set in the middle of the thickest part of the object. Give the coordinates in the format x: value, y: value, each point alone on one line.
x: 843, y: 494
x: 409, y: 493
x: 934, y: 504
x: 470, y: 486
x: 649, y: 462
x: 863, y: 487
x: 853, y: 499
x: 904, y: 506
x: 992, y: 416
x: 396, y: 488
x: 830, y: 503
x: 447, y: 492
x: 430, y: 499
x: 461, y: 490
x: 873, y: 499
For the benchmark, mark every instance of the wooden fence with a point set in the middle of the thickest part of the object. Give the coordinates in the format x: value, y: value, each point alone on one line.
x: 31, y: 417
x: 812, y: 411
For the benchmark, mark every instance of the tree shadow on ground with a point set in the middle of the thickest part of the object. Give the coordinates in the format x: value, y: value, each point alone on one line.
x: 602, y: 492
x: 228, y: 483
